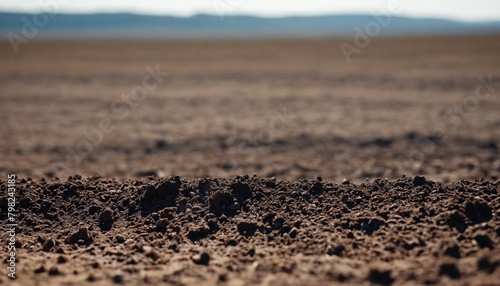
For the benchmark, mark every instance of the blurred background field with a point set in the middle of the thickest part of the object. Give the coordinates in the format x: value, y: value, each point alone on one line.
x: 288, y: 108
x: 346, y: 90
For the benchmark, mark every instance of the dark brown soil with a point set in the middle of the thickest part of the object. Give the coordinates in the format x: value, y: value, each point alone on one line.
x: 289, y: 109
x: 254, y: 231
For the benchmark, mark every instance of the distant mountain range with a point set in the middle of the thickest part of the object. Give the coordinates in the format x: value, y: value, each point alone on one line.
x: 209, y: 26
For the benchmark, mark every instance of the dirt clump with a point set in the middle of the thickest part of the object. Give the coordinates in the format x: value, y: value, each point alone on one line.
x: 81, y: 236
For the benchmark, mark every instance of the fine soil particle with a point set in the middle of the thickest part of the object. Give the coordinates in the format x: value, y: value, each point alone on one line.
x: 210, y: 231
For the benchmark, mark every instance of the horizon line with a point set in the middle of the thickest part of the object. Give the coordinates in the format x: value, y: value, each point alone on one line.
x: 90, y: 13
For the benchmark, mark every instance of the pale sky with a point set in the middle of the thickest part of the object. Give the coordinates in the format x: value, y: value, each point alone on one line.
x: 477, y: 10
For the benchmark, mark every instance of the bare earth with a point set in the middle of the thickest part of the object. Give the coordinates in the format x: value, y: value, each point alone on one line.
x: 288, y: 109
x: 252, y: 231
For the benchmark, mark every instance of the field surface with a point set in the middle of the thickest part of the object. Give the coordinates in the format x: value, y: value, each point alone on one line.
x: 289, y: 109
x: 253, y: 231
x: 253, y: 162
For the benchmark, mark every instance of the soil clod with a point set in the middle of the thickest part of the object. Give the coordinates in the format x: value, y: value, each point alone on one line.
x: 202, y: 258
x: 382, y: 277
x: 82, y: 234
x: 419, y: 181
x: 449, y: 269
x: 247, y: 228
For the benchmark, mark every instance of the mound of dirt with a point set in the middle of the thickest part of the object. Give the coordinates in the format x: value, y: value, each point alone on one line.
x: 255, y: 231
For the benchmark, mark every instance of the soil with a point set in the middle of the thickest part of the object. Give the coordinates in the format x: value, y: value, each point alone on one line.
x: 406, y: 148
x: 288, y: 109
x: 254, y: 231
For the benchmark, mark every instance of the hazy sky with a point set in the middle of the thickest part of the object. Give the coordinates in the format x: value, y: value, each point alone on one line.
x: 476, y: 10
